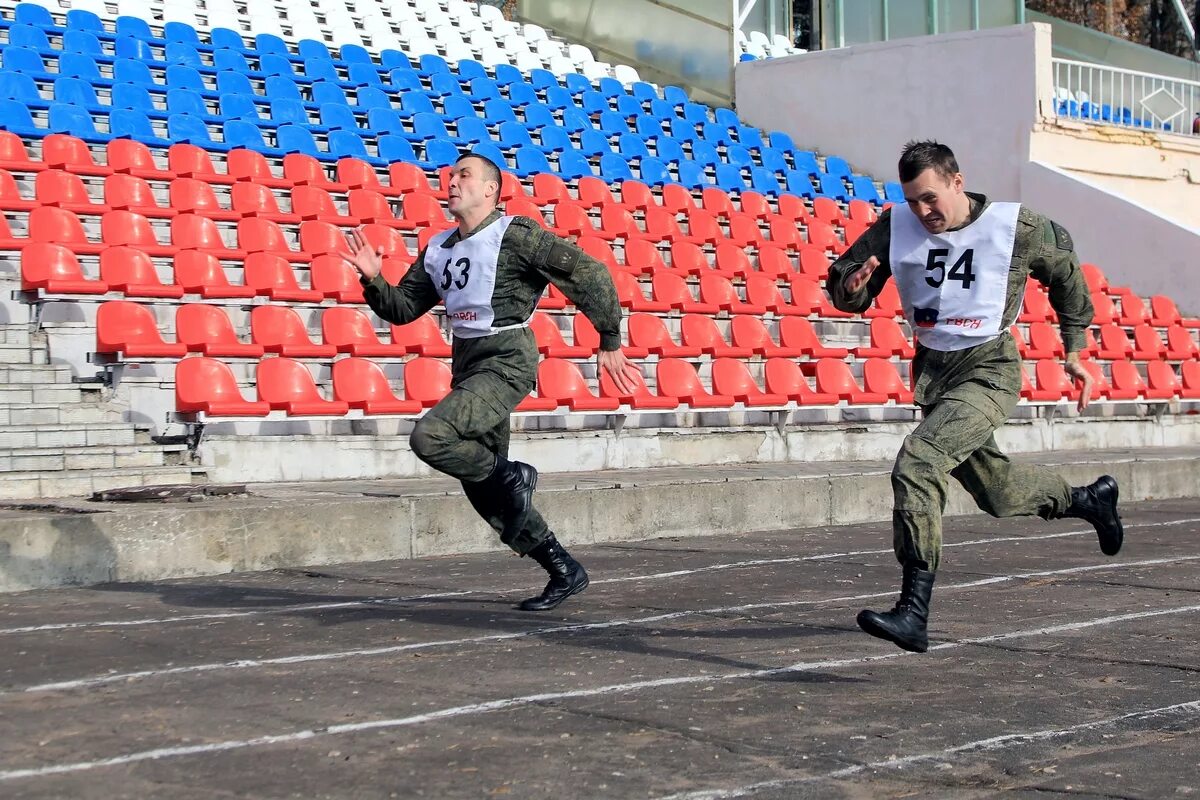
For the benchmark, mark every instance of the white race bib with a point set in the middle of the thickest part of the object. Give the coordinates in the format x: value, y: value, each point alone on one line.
x: 465, y: 277
x: 953, y: 285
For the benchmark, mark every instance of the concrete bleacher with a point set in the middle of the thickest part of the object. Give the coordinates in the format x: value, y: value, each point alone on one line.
x: 175, y: 198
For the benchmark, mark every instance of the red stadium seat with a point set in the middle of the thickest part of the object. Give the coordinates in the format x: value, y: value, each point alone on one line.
x: 636, y: 196
x: 549, y: 189
x: 1147, y: 346
x: 1189, y: 373
x: 1133, y: 310
x: 131, y: 330
x: 1114, y: 343
x: 731, y: 377
x: 207, y: 329
x: 716, y: 290
x: 194, y: 196
x: 60, y: 227
x: 287, y: 385
x: 196, y: 232
x: 1127, y: 382
x: 834, y: 377
x: 127, y: 228
x: 11, y: 198
x: 270, y: 275
x: 13, y: 155
x: 257, y: 235
x: 335, y: 279
x: 200, y: 272
x: 421, y: 336
x: 701, y: 331
x: 203, y: 385
x: 365, y: 205
x: 798, y: 334
x: 1164, y: 312
x: 56, y: 187
x: 630, y: 295
x: 642, y: 257
x: 809, y: 298
x: 880, y: 377
x: 252, y: 167
x: 600, y: 250
x: 131, y: 272
x: 314, y: 203
x: 1104, y: 311
x: 1180, y: 344
x: 593, y: 193
x: 279, y: 329
x: 675, y: 198
x: 1036, y: 307
x: 255, y: 200
x: 128, y: 157
x: 763, y: 292
x: 749, y: 332
x: 426, y: 380
x: 688, y: 259
x: 60, y: 151
x: 775, y: 263
x: 1162, y: 382
x: 1053, y: 382
x: 563, y: 383
x: 887, y: 340
x: 133, y: 193
x: 678, y: 379
x: 304, y: 170
x: 191, y: 161
x: 783, y: 376
x: 886, y: 304
x: 649, y: 333
x: 55, y: 269
x: 641, y: 398
x: 405, y: 178
x: 550, y: 340
x: 361, y: 384
x: 732, y: 262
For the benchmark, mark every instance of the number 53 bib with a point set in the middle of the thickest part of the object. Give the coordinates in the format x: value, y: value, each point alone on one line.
x: 953, y: 285
x: 465, y: 277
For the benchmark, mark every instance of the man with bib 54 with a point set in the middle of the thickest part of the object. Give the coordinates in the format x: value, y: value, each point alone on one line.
x: 490, y: 271
x: 960, y: 264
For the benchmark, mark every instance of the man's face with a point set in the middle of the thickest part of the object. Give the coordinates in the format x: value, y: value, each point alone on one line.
x: 937, y: 201
x: 470, y: 189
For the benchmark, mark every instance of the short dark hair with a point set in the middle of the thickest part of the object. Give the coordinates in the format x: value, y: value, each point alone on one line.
x: 491, y: 171
x: 919, y: 156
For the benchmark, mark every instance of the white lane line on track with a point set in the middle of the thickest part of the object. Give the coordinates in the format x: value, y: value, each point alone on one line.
x: 376, y: 601
x: 475, y: 709
x: 252, y: 663
x: 990, y: 744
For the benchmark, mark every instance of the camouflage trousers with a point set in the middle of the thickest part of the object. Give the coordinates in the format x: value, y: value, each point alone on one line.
x: 462, y: 435
x: 956, y: 439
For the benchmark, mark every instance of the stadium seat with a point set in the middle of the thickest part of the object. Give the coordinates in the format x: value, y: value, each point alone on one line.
x: 886, y: 303
x: 550, y: 340
x: 426, y: 380
x: 649, y: 332
x: 204, y: 385
x: 196, y: 232
x: 279, y: 329
x: 270, y: 275
x: 287, y: 385
x: 1133, y: 310
x: 678, y: 379
x: 1180, y: 344
x: 257, y: 235
x: 834, y: 377
x: 717, y: 291
x: 561, y: 382
x: 811, y: 299
x: 1127, y: 382
x: 130, y: 271
x: 732, y: 377
x: 1052, y: 382
x: 1147, y: 345
x: 887, y: 341
x: 880, y: 377
x: 1162, y: 382
x: 698, y: 330
x: 207, y: 329
x: 55, y: 269
x: 361, y: 384
x: 783, y: 376
x: 58, y: 188
x: 421, y: 336
x: 1164, y: 313
x: 130, y: 330
x: 749, y: 333
x: 200, y: 272
x: 1189, y: 373
x: 1114, y: 343
x: 1036, y: 306
x: 762, y: 291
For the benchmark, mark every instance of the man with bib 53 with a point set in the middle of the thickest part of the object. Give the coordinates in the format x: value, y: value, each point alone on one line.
x: 490, y: 271
x: 960, y: 264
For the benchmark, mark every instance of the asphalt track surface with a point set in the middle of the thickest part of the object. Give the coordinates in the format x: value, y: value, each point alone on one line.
x: 707, y: 667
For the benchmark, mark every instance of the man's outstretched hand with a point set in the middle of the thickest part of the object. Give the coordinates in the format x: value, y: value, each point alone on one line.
x: 856, y: 280
x: 624, y: 373
x: 366, y: 260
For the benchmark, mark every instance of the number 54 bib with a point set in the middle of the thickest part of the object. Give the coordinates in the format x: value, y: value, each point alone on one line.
x: 465, y: 277
x: 953, y: 285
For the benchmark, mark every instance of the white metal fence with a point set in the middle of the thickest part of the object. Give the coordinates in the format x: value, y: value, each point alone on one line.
x: 1123, y: 97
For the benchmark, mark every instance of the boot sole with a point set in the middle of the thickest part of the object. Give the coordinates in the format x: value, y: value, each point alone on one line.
x: 574, y: 591
x: 882, y: 633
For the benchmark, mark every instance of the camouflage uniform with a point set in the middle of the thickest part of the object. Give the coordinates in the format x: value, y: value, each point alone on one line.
x: 462, y: 435
x: 965, y: 395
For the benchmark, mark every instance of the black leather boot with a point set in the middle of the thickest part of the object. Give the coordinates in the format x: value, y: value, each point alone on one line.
x: 1097, y: 503
x: 904, y: 625
x: 567, y: 576
x: 512, y: 484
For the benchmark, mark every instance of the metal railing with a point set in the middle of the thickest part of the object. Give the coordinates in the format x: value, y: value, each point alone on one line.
x: 1110, y: 96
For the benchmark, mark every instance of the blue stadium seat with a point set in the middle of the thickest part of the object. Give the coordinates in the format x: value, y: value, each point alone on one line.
x: 833, y: 186
x: 356, y: 54
x: 864, y: 189
x: 559, y: 98
x: 126, y: 123
x: 514, y: 135
x: 614, y: 169
x: 226, y: 39
x: 739, y: 156
x: 230, y: 82
x: 81, y: 19
x: 675, y: 95
x: 800, y: 182
x: 229, y: 60
x: 29, y: 36
x: 593, y: 143
x: 729, y: 178
x: 238, y: 106
x: 181, y: 77
x: 185, y: 101
x: 472, y: 130
x: 81, y: 42
x: 644, y: 92
x: 469, y: 69
x: 780, y: 141
x: 337, y: 117
x: 491, y: 151
x: 498, y: 111
x: 507, y: 73
x: 542, y: 79
x: 630, y: 146
x: 481, y: 89
x: 539, y: 116
x: 613, y: 123
x: 521, y: 94
x: 763, y: 181
x: 669, y: 150
x: 416, y: 103
x: 575, y: 121
x: 391, y: 59
x: 750, y: 137
x: 432, y: 63
x: 15, y: 117
x: 444, y: 84
x: 431, y: 126
x: 27, y: 61
x: 630, y: 106
x: 76, y: 92
x: 371, y: 97
x: 137, y: 50
x: 403, y: 79
x: 348, y: 144
x: 695, y: 113
x: 385, y: 120
x: 296, y: 139
x: 458, y: 107
x: 773, y: 160
x: 684, y: 130
x: 397, y: 148
x: 271, y: 64
x: 78, y: 65
x: 33, y: 14
x: 705, y: 154
x: 555, y: 139
x: 610, y: 87
x: 692, y: 175
x: 893, y: 192
x: 576, y: 84
x: 192, y: 130
x: 184, y: 54
x: 127, y: 70
x: 361, y: 74
x: 134, y: 96
x: 239, y: 133
x: 594, y: 103
x: 837, y: 166
x: 310, y: 49
x: 74, y: 121
x: 717, y: 135
x: 805, y: 161
x: 15, y: 86
x: 326, y: 92
x: 726, y: 118
x: 134, y: 27
x: 653, y: 172
x: 648, y: 127
x: 180, y: 32
x: 572, y: 165
x: 286, y: 111
x: 531, y: 161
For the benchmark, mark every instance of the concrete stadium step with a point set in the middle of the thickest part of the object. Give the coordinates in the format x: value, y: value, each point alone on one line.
x: 21, y: 353
x: 307, y: 524
x: 85, y: 413
x: 17, y: 375
x: 47, y: 436
x: 40, y: 393
x: 28, y: 486
x: 85, y: 457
